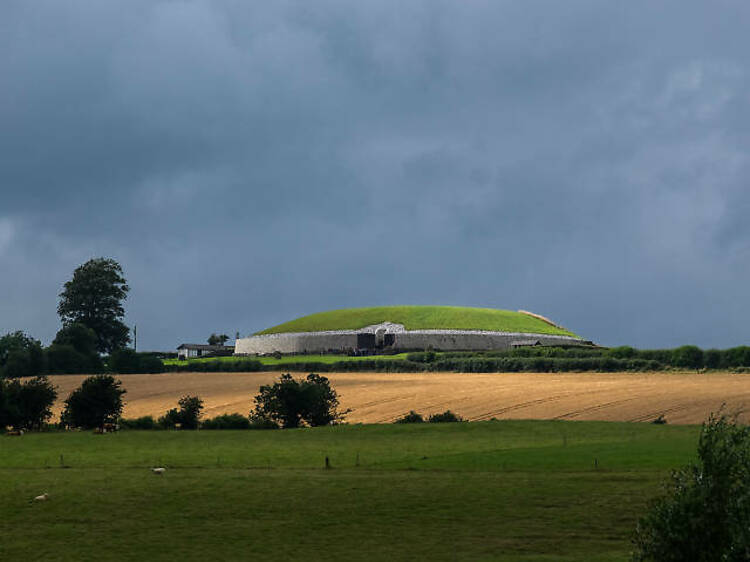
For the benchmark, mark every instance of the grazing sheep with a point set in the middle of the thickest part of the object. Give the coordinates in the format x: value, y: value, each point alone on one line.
x: 159, y: 470
x: 43, y: 498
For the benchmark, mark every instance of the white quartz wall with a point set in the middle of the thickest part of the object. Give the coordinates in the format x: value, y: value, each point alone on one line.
x: 444, y: 340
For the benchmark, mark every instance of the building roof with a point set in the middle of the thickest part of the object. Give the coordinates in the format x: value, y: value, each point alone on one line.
x: 205, y: 347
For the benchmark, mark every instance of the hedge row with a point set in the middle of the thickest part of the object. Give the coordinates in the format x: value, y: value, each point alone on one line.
x: 687, y: 356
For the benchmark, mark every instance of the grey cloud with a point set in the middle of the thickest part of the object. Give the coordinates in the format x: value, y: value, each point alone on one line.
x: 251, y: 163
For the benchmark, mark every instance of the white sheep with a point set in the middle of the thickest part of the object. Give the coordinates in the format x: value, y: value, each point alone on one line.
x: 43, y: 498
x: 159, y: 470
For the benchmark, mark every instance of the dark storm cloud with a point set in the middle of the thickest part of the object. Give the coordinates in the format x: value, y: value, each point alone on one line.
x: 250, y: 163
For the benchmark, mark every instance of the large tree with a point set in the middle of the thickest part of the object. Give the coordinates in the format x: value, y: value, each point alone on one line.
x: 94, y: 297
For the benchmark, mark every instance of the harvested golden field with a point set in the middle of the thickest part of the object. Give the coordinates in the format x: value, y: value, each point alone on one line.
x: 382, y: 397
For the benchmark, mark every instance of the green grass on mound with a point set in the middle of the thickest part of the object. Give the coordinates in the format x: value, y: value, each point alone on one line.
x: 508, y: 490
x: 420, y: 318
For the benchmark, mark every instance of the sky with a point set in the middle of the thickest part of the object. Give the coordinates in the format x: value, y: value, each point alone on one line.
x: 251, y: 162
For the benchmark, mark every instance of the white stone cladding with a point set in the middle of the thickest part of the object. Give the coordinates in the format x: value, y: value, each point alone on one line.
x: 441, y: 340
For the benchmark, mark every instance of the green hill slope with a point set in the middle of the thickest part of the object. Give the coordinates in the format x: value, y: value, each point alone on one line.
x: 420, y: 318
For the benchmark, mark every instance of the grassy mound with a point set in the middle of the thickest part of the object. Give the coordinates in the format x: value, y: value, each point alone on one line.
x: 421, y: 318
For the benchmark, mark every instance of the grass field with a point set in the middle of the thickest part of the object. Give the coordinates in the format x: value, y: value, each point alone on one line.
x: 503, y: 490
x: 288, y: 359
x: 420, y: 318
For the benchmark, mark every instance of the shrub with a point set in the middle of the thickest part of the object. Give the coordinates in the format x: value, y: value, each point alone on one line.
x: 65, y: 359
x: 705, y: 513
x: 411, y: 417
x: 445, y: 417
x: 26, y: 405
x: 712, y: 358
x: 127, y: 361
x: 97, y: 401
x: 227, y: 421
x: 736, y: 357
x: 187, y: 417
x: 144, y: 422
x: 623, y: 352
x: 290, y: 402
x: 239, y: 366
x: 170, y: 420
x: 260, y: 422
x: 422, y: 357
x: 149, y: 363
x: 687, y: 356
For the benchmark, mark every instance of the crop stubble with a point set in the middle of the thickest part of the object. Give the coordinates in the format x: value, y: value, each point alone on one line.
x: 381, y: 397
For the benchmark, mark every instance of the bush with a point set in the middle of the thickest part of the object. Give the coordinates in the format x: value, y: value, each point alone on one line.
x: 445, y: 417
x: 170, y: 420
x: 65, y: 359
x: 623, y: 352
x: 291, y: 403
x: 705, y: 514
x: 20, y: 356
x: 127, y: 361
x: 239, y: 366
x: 144, y: 422
x: 150, y: 364
x: 261, y: 422
x: 26, y: 405
x: 97, y: 401
x: 712, y: 358
x: 736, y: 357
x: 687, y: 356
x: 411, y: 417
x: 422, y: 357
x: 227, y: 421
x: 187, y: 417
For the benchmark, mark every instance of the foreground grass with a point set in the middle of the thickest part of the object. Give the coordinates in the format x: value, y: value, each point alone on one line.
x: 504, y: 490
x: 420, y: 318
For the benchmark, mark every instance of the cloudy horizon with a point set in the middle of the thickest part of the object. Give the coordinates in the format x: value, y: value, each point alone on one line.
x: 247, y: 164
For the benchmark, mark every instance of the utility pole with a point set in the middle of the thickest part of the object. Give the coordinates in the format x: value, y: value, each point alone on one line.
x: 135, y: 338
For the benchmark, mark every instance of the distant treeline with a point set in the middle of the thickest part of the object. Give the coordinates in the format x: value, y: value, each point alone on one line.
x: 528, y: 359
x: 21, y: 356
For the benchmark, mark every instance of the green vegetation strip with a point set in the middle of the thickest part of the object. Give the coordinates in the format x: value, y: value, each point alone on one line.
x: 420, y: 318
x: 289, y: 359
x: 508, y: 490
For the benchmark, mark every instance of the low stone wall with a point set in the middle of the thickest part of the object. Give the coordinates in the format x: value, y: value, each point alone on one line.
x: 439, y: 340
x: 454, y: 340
x: 308, y: 342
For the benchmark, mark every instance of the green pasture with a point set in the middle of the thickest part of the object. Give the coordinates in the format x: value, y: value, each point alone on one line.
x: 289, y: 359
x: 420, y: 318
x: 499, y: 490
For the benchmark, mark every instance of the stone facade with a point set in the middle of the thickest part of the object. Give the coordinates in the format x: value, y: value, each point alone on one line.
x: 398, y: 339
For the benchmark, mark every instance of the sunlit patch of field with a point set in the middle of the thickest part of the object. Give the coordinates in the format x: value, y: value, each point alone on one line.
x: 505, y: 490
x: 683, y: 398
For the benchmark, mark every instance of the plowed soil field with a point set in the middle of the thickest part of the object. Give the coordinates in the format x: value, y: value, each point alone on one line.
x: 682, y: 398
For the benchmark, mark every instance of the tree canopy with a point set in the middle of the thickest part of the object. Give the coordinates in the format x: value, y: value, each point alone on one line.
x: 26, y: 405
x: 94, y: 297
x: 97, y: 401
x: 705, y: 513
x: 215, y: 339
x: 291, y: 402
x: 20, y: 356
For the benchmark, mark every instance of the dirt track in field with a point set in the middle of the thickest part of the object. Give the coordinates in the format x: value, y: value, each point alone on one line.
x: 382, y: 397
